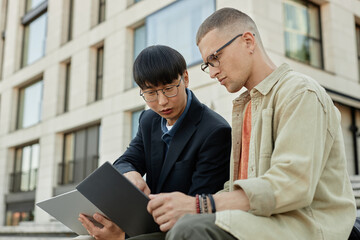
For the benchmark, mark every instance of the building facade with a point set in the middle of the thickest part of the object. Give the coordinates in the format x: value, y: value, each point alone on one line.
x: 68, y: 101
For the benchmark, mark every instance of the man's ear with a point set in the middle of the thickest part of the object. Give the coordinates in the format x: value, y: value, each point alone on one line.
x: 250, y: 40
x: 186, y: 78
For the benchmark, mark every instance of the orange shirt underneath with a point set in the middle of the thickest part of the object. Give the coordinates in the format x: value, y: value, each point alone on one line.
x: 245, y: 143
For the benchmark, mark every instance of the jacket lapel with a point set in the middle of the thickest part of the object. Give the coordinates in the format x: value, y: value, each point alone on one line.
x: 180, y: 139
x: 157, y: 151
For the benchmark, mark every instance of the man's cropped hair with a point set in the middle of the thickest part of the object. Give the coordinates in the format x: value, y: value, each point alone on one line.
x: 158, y: 65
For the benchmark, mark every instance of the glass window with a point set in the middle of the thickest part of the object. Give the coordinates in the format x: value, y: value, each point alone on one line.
x: 24, y: 174
x: 19, y: 212
x: 67, y: 86
x: 31, y: 4
x: 99, y: 73
x: 139, y: 43
x: 358, y: 46
x: 303, y: 32
x: 80, y: 156
x: 70, y: 20
x: 3, y: 20
x: 135, y: 122
x: 34, y: 40
x: 102, y: 6
x: 30, y: 105
x: 176, y: 26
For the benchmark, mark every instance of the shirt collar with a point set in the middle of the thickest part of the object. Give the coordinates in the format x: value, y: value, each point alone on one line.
x: 180, y: 119
x: 266, y: 84
x: 269, y: 82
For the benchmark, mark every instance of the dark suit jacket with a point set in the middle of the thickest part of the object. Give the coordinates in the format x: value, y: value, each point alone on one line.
x: 198, y: 157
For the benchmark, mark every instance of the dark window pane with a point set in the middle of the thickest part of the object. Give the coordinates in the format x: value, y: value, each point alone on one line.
x: 92, y: 146
x: 25, y: 169
x: 79, y: 155
x: 67, y: 86
x: 139, y: 43
x: 358, y: 46
x: 71, y: 18
x: 67, y: 167
x: 24, y: 176
x: 19, y: 212
x: 99, y: 73
x: 358, y: 39
x: 297, y: 47
x: 81, y: 149
x: 176, y: 26
x: 102, y: 6
x: 135, y: 122
x: 315, y: 53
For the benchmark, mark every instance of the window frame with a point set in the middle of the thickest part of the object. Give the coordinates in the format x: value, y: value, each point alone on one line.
x: 3, y: 21
x: 136, y: 51
x: 70, y: 21
x: 29, y: 17
x: 15, y: 184
x: 65, y: 179
x: 101, y: 11
x: 99, y: 75
x: 21, y: 104
x: 306, y: 4
x: 135, y: 116
x: 67, y: 86
x: 357, y: 33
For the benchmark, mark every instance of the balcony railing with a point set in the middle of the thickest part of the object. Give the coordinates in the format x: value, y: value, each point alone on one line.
x: 74, y: 171
x: 23, y: 181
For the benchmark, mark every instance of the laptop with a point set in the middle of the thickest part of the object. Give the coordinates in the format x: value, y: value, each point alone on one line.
x: 108, y: 192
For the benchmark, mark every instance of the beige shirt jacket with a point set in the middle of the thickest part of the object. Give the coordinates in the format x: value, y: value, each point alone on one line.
x: 298, y: 185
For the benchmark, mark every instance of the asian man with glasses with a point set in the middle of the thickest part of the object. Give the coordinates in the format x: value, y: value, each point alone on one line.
x: 181, y: 145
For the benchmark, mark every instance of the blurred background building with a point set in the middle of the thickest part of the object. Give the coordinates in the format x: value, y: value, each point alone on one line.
x: 68, y: 101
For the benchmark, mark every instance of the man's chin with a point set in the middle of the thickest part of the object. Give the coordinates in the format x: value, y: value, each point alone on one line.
x: 229, y: 89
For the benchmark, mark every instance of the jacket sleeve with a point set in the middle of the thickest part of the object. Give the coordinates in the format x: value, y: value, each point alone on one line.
x: 213, y: 161
x: 301, y: 145
x: 133, y: 158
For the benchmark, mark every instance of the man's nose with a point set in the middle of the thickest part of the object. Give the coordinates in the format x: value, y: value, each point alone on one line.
x: 213, y: 71
x: 162, y: 99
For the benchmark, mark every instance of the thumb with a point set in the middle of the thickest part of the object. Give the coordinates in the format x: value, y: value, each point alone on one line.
x: 153, y: 196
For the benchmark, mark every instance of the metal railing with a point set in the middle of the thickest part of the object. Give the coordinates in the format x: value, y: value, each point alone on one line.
x: 23, y: 181
x: 74, y: 171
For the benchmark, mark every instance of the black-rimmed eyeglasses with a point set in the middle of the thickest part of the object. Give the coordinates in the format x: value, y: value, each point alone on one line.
x: 213, y: 60
x: 169, y: 91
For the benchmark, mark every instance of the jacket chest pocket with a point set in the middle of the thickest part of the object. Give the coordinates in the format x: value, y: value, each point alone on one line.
x: 266, y: 140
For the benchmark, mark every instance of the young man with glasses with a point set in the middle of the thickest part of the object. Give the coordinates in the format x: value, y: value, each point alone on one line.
x: 181, y: 145
x: 288, y: 168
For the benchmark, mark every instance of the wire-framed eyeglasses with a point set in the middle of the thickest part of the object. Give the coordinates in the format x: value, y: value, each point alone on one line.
x: 213, y: 59
x: 168, y: 91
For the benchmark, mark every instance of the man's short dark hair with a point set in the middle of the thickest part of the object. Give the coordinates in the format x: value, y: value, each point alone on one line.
x: 158, y: 65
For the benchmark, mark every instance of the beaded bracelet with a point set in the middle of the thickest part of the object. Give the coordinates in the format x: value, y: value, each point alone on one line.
x: 213, y: 210
x: 201, y: 205
x: 204, y: 198
x: 197, y: 204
